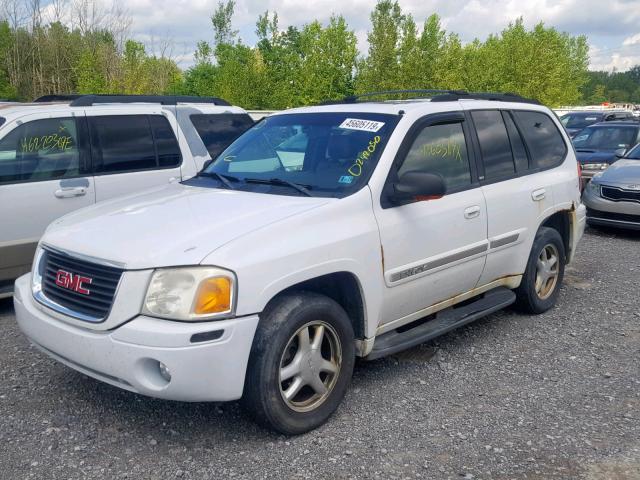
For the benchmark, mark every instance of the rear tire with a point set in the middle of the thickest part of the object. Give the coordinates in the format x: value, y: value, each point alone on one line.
x: 300, y: 364
x: 543, y: 276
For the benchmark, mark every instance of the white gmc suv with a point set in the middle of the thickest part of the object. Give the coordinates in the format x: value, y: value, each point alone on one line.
x: 320, y: 235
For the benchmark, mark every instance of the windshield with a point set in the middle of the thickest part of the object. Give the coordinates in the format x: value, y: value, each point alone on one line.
x: 328, y: 154
x: 634, y: 153
x: 579, y: 120
x: 605, y: 138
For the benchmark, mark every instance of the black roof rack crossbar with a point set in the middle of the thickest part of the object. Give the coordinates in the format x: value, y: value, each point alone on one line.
x: 497, y: 97
x: 416, y: 93
x: 89, y: 100
x: 57, y: 98
x: 436, y: 95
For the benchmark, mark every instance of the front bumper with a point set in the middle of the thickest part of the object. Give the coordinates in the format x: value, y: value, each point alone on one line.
x: 128, y: 356
x: 601, y: 211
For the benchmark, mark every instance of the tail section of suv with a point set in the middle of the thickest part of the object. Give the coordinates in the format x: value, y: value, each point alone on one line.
x: 321, y: 234
x: 62, y: 153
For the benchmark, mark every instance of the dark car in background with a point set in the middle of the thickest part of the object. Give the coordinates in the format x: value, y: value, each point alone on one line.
x: 612, y: 197
x: 575, y: 121
x: 599, y: 145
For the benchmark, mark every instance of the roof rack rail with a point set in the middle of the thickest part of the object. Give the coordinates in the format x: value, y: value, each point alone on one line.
x: 497, y: 97
x: 417, y: 93
x: 89, y: 100
x: 436, y: 95
x: 63, y: 97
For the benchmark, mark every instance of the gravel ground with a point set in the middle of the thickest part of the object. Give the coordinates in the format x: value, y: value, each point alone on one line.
x: 510, y: 396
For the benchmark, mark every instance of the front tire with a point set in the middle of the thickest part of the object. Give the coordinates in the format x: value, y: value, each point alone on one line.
x: 300, y: 364
x: 542, y: 279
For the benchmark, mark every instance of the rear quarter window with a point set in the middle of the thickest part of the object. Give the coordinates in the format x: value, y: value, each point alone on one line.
x: 218, y: 131
x: 546, y: 145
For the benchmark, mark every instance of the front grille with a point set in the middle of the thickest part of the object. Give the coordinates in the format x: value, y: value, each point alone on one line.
x: 618, y: 194
x: 621, y: 217
x: 102, y: 288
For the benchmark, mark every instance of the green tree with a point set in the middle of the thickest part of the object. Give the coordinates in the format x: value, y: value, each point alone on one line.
x: 380, y: 69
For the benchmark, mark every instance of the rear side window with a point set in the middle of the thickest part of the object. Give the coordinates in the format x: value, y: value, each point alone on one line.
x: 166, y: 143
x: 41, y: 150
x: 125, y: 143
x: 546, y: 145
x: 494, y: 144
x: 517, y: 145
x: 218, y: 131
x: 440, y: 149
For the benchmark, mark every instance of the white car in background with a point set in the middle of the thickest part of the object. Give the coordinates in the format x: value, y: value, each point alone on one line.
x: 62, y: 153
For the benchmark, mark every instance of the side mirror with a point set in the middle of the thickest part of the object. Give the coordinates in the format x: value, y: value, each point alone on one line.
x: 417, y: 186
x: 620, y: 152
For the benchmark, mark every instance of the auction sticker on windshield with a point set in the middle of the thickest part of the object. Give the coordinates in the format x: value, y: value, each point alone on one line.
x: 364, y: 125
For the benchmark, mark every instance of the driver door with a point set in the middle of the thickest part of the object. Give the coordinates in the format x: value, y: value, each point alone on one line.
x: 434, y: 249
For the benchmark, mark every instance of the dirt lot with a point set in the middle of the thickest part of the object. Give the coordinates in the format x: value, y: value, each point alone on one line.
x: 510, y: 396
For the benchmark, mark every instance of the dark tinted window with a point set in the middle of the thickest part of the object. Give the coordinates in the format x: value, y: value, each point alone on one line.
x: 440, y: 149
x: 517, y: 145
x: 126, y: 143
x: 40, y: 150
x: 494, y: 144
x: 546, y: 146
x: 166, y: 143
x: 218, y: 131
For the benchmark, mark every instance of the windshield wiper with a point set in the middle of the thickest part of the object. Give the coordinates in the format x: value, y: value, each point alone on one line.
x: 304, y: 189
x: 224, y: 179
x: 585, y: 150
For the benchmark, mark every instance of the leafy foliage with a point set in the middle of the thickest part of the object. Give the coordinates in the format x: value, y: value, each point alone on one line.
x: 307, y: 64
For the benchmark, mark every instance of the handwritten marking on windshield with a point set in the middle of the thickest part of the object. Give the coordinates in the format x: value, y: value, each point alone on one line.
x: 356, y: 169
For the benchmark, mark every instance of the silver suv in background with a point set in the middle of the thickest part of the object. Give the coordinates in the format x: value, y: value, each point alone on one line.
x: 61, y: 153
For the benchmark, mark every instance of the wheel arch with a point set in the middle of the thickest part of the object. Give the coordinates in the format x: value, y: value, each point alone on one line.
x: 344, y: 288
x: 561, y: 221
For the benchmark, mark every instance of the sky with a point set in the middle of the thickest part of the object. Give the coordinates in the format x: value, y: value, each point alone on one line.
x: 612, y: 26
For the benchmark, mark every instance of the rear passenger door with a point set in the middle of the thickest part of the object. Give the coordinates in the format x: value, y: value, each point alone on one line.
x: 132, y: 152
x: 518, y: 151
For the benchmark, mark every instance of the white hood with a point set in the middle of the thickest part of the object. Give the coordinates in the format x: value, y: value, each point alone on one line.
x: 172, y: 225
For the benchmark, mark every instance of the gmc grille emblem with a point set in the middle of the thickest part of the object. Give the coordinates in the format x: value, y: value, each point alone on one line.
x: 73, y: 282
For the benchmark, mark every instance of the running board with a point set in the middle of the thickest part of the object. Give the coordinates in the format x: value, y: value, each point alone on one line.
x: 441, y: 323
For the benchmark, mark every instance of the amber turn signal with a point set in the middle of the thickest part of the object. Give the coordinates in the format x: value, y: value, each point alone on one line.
x: 214, y: 296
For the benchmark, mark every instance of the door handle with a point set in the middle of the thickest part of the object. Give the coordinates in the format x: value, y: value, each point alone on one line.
x: 538, y: 195
x: 472, y: 212
x: 70, y: 192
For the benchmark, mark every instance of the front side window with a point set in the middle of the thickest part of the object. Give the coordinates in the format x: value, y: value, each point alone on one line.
x: 606, y: 138
x: 40, y: 150
x: 217, y: 131
x: 125, y: 143
x: 494, y: 144
x: 546, y: 145
x: 440, y: 149
x: 328, y: 154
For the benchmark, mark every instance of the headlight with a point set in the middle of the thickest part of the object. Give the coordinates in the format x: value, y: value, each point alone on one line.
x: 595, y: 166
x: 190, y: 293
x: 36, y: 271
x: 593, y: 188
